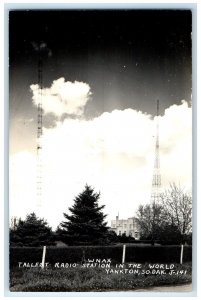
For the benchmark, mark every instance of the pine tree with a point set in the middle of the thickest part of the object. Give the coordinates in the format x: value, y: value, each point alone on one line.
x: 86, y: 223
x: 31, y: 232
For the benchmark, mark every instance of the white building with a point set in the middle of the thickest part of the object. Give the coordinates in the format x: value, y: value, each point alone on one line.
x: 129, y: 226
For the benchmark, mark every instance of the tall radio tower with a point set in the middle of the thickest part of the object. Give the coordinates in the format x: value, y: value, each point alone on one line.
x: 39, y: 129
x: 156, y: 180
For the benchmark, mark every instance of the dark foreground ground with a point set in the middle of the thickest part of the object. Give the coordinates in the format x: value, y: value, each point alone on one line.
x: 175, y: 289
x: 86, y: 279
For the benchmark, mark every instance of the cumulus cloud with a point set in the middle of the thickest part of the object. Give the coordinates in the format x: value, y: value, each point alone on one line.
x: 114, y: 153
x: 63, y: 97
x: 22, y: 182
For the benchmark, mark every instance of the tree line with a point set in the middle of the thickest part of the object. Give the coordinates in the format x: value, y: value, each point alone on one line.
x: 170, y: 219
x: 167, y: 221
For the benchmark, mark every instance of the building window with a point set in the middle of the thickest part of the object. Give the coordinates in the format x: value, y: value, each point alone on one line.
x: 136, y: 234
x: 119, y: 232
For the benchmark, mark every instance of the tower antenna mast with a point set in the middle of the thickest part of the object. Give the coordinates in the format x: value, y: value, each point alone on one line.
x: 156, y: 180
x: 39, y: 127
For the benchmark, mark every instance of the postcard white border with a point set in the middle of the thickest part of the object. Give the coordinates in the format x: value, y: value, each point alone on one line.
x: 4, y: 111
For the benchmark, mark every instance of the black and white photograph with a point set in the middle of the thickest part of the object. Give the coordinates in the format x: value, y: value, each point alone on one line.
x: 100, y: 150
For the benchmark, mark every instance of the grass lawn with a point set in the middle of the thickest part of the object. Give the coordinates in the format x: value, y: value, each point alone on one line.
x: 86, y: 279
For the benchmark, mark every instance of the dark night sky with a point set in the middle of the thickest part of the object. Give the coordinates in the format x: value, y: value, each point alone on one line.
x: 129, y: 58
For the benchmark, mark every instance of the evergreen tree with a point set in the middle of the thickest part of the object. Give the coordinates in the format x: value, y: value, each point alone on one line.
x: 31, y: 232
x: 86, y: 223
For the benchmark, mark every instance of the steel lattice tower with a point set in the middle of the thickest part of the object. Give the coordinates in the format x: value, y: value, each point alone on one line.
x: 39, y: 129
x: 156, y: 180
